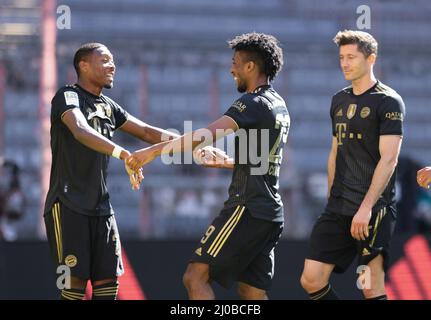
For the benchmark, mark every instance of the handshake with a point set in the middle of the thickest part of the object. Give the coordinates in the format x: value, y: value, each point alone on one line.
x: 209, y: 156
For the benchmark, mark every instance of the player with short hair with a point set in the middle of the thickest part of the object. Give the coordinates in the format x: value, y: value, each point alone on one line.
x: 79, y: 218
x: 359, y: 218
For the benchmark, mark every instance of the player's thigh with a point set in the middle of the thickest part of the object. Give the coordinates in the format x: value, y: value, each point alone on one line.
x: 69, y: 238
x: 381, y: 226
x: 331, y: 242
x: 259, y: 272
x: 106, y: 249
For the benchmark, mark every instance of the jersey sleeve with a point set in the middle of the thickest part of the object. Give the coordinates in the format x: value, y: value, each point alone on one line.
x: 391, y: 116
x: 120, y: 115
x: 64, y: 100
x: 244, y: 112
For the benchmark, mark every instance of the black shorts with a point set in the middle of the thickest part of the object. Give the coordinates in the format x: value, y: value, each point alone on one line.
x: 89, y: 246
x: 331, y: 241
x: 239, y: 247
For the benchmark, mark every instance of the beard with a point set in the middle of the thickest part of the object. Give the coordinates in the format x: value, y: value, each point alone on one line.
x: 241, y: 87
x: 108, y: 86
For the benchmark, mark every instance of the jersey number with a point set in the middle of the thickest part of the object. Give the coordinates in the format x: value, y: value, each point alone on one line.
x: 207, y: 234
x: 282, y: 123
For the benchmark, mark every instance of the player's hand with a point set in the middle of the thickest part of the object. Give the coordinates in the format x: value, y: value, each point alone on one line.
x: 423, y: 177
x: 135, y: 177
x: 359, y: 228
x: 140, y: 158
x: 212, y: 157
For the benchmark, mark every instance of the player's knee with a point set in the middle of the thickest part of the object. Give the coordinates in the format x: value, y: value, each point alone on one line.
x: 250, y: 293
x: 311, y: 283
x: 373, y: 292
x: 193, y: 276
x: 78, y: 283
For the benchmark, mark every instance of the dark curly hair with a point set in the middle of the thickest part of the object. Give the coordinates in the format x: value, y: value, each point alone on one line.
x: 263, y: 49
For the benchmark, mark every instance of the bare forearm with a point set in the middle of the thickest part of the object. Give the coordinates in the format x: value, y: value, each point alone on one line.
x: 146, y: 132
x: 183, y: 143
x: 382, y: 174
x: 155, y: 135
x: 95, y: 141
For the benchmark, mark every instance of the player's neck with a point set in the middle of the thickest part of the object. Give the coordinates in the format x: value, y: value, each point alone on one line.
x: 261, y: 81
x: 364, y: 83
x: 88, y: 86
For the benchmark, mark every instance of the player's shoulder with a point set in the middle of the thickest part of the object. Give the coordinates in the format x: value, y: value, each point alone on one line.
x: 347, y: 91
x: 66, y: 94
x: 247, y: 100
x: 66, y: 88
x: 387, y: 92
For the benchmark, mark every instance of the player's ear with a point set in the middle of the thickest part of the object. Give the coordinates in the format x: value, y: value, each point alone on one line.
x: 84, y: 66
x: 372, y: 58
x: 251, y: 65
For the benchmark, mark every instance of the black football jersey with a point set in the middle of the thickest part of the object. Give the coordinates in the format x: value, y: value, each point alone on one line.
x: 78, y: 173
x: 263, y: 122
x: 358, y: 121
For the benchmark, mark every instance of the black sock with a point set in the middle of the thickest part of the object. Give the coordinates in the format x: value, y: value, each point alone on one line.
x: 72, y: 294
x: 106, y: 291
x: 382, y: 297
x: 326, y: 293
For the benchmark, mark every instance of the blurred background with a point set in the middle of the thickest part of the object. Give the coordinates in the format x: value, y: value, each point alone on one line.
x: 173, y: 65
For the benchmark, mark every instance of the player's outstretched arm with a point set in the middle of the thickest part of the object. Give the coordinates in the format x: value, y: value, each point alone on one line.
x: 146, y: 132
x: 423, y: 177
x: 187, y: 142
x: 77, y: 124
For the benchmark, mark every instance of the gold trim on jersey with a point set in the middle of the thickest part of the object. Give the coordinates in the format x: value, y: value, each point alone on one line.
x: 225, y: 232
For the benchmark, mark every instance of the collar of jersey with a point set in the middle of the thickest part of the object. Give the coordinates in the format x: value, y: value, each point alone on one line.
x: 262, y: 87
x: 365, y: 92
x: 87, y: 92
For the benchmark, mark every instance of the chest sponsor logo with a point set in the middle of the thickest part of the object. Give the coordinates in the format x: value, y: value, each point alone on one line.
x: 108, y: 110
x: 341, y: 132
x: 365, y: 112
x: 351, y: 110
x: 102, y: 111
